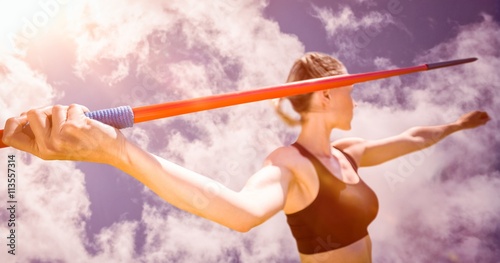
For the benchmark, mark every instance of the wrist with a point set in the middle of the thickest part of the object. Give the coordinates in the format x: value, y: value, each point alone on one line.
x: 455, y: 126
x: 128, y: 157
x: 110, y: 145
x: 118, y: 154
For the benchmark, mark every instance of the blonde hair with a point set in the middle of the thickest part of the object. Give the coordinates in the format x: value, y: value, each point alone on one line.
x: 310, y: 66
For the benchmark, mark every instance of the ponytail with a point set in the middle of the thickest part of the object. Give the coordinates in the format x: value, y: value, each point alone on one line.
x: 289, y: 120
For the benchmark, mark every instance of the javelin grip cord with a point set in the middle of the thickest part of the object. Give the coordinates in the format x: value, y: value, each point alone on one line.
x: 119, y: 117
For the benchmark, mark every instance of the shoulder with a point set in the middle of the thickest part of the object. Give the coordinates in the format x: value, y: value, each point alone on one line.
x: 289, y: 158
x: 352, y: 146
x: 346, y: 143
x: 284, y: 156
x: 301, y: 184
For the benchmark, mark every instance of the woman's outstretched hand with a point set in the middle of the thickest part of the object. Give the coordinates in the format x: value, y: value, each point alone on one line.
x: 473, y: 119
x: 63, y: 133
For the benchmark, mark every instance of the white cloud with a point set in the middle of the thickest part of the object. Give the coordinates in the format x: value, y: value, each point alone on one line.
x: 436, y: 205
x: 346, y: 20
x: 52, y: 204
x: 116, y: 243
x: 159, y: 51
x: 350, y: 33
x: 35, y: 91
x: 52, y: 200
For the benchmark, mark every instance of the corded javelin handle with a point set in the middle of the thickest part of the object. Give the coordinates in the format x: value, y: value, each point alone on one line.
x: 120, y: 117
x: 125, y: 116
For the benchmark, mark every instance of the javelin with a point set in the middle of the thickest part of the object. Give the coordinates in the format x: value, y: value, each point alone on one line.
x: 125, y: 116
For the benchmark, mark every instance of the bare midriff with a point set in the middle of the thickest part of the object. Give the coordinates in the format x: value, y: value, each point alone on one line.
x: 357, y: 252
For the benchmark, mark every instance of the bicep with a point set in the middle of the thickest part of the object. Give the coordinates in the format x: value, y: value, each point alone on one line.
x: 265, y: 192
x: 379, y: 151
x: 374, y: 152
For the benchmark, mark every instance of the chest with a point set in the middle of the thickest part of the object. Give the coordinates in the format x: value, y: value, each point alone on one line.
x: 336, y: 171
x: 338, y: 167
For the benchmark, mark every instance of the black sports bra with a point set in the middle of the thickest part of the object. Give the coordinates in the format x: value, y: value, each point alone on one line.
x: 338, y: 216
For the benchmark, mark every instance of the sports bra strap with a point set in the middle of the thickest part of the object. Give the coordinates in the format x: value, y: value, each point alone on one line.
x: 305, y: 152
x: 349, y: 158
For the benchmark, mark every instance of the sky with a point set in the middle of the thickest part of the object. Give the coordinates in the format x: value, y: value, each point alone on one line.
x: 437, y: 205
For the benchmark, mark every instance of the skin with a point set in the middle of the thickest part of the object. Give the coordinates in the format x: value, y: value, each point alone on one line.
x: 287, y: 181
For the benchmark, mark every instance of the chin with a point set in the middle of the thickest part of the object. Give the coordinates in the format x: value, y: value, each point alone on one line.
x: 346, y: 127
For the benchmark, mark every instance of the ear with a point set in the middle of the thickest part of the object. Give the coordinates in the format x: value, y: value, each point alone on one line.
x: 325, y: 95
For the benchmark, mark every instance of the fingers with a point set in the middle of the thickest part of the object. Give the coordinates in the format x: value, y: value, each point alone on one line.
x: 40, y: 121
x: 76, y: 119
x: 85, y: 109
x: 486, y: 116
x: 14, y: 135
x: 36, y: 130
x: 474, y: 119
x: 76, y: 112
x: 65, y: 121
x: 482, y: 116
x: 59, y: 117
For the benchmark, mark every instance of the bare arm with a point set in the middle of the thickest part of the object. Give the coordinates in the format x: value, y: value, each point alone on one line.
x: 64, y: 133
x: 263, y: 196
x: 373, y: 152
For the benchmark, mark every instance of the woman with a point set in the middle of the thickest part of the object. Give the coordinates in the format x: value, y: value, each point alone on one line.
x: 314, y: 181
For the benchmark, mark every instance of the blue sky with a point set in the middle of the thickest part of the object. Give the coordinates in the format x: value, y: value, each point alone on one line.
x: 435, y: 205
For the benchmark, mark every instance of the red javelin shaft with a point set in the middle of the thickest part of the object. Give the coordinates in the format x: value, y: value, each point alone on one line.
x: 152, y: 112
x: 169, y: 109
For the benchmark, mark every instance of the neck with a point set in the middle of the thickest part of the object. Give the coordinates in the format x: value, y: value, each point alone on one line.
x: 315, y: 136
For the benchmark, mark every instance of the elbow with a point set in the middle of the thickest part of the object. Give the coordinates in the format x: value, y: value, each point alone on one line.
x: 247, y: 219
x: 249, y: 213
x: 420, y: 141
x: 242, y: 229
x: 247, y: 224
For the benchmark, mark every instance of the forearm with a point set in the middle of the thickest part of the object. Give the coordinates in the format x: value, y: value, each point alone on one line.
x: 426, y: 136
x: 374, y: 152
x: 185, y: 189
